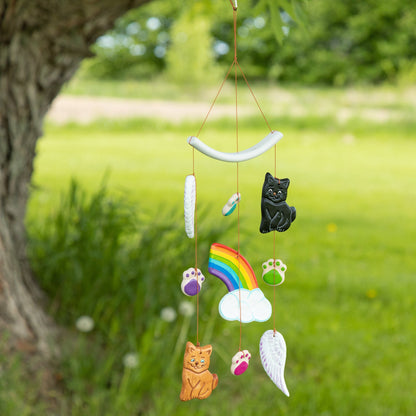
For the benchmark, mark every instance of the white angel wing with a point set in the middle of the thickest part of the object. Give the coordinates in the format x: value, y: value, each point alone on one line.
x: 273, y: 358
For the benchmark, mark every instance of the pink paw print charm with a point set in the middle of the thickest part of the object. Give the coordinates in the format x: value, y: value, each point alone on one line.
x: 192, y: 281
x: 239, y: 362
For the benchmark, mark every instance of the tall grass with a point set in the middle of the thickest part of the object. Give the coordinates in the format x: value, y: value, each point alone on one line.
x: 17, y: 395
x: 98, y: 256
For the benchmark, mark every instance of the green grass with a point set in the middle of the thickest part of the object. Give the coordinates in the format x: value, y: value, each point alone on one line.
x: 346, y: 308
x: 388, y: 103
x: 147, y: 89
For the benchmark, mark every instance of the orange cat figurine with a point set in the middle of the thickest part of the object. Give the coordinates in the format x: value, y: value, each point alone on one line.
x: 197, y: 381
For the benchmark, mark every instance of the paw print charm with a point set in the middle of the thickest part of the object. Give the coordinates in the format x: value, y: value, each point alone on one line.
x: 229, y: 207
x: 274, y: 272
x: 239, y: 363
x: 192, y: 281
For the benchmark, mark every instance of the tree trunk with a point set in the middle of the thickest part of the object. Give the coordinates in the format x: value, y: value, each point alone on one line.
x: 42, y: 43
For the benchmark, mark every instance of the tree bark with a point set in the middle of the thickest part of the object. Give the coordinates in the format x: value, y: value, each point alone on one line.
x: 42, y: 43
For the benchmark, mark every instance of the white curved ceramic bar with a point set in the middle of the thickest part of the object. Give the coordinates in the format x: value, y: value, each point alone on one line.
x: 262, y: 146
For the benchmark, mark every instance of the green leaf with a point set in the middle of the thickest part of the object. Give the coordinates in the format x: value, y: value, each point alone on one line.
x: 286, y: 5
x: 276, y: 21
x: 259, y: 7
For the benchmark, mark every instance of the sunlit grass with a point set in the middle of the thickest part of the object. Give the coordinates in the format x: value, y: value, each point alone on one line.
x: 346, y: 307
x: 378, y: 104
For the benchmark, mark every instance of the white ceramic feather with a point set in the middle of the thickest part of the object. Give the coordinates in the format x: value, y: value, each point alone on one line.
x: 273, y: 357
x: 189, y: 205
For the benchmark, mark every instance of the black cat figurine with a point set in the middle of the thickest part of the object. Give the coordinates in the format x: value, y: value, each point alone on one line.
x: 276, y: 214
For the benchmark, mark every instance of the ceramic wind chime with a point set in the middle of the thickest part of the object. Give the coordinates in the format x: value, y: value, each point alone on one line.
x: 244, y: 301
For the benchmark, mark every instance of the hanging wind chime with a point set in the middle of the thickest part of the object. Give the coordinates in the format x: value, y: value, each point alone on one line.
x: 245, y: 301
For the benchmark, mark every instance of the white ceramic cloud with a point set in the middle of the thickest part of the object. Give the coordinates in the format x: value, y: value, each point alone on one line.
x: 254, y: 306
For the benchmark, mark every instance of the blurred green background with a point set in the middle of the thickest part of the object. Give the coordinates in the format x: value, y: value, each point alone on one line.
x: 105, y: 221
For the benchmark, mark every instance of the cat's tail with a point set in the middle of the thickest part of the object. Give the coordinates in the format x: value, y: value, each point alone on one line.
x: 214, y: 381
x: 292, y: 213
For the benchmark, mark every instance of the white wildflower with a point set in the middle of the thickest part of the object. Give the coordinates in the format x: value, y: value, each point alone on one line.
x: 131, y: 360
x: 168, y: 314
x: 84, y: 323
x: 186, y: 308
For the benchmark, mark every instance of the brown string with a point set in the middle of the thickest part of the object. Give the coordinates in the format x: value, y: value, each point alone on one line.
x: 235, y: 34
x: 193, y: 161
x: 196, y: 263
x: 215, y: 99
x: 196, y: 248
x: 235, y: 62
x: 236, y: 122
x: 274, y: 282
x: 196, y: 205
x: 254, y: 97
x: 274, y: 252
x: 275, y: 160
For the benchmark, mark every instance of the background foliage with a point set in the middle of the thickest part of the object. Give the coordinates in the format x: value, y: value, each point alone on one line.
x: 307, y: 42
x: 353, y: 42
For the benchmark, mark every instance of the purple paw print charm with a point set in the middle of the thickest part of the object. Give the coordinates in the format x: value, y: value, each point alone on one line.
x: 192, y: 281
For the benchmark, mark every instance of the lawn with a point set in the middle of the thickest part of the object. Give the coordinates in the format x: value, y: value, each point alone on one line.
x: 346, y: 307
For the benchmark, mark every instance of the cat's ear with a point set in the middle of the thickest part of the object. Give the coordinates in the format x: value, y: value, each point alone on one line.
x: 269, y: 177
x: 285, y: 182
x: 207, y: 349
x: 190, y: 347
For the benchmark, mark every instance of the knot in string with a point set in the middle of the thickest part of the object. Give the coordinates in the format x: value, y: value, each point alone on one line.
x: 234, y: 5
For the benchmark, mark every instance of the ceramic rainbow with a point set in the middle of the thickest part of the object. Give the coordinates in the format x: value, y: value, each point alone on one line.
x: 230, y: 267
x: 239, y: 278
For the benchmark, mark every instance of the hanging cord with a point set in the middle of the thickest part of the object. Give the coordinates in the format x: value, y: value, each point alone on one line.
x: 275, y: 160
x: 215, y: 99
x: 234, y: 5
x: 274, y: 283
x: 196, y: 262
x: 196, y: 246
x: 235, y: 63
x: 193, y: 172
x: 254, y: 97
x: 274, y: 253
x: 236, y: 123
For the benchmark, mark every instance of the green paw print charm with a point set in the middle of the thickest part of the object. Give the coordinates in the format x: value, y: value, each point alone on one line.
x: 274, y: 272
